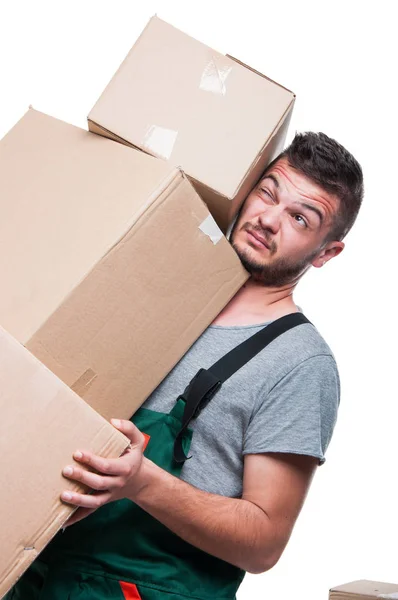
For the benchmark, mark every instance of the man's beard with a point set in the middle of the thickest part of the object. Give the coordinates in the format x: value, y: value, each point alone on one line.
x: 278, y: 274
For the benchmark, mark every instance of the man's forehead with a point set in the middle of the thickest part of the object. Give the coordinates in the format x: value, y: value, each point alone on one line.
x: 284, y: 173
x: 282, y: 169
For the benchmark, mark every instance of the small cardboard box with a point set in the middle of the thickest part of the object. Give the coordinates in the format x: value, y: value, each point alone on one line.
x: 364, y: 590
x: 215, y: 117
x: 42, y: 423
x: 111, y: 265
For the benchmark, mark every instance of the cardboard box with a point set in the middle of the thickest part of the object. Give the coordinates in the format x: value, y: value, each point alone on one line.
x: 42, y: 423
x: 111, y: 265
x: 215, y: 117
x: 364, y: 590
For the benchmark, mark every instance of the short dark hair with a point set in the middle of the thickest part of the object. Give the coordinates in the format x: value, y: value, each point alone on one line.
x: 334, y: 169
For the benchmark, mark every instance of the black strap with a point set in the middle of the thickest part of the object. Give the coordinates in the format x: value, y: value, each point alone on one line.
x: 239, y: 356
x: 207, y: 382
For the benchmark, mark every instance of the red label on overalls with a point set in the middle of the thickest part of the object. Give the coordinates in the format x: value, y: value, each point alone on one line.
x: 130, y: 591
x: 147, y: 438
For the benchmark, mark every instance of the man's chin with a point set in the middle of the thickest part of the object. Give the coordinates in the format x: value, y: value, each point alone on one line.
x: 273, y: 274
x: 250, y: 264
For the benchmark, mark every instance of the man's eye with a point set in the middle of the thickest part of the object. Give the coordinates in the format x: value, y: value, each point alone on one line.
x: 300, y: 220
x: 266, y: 192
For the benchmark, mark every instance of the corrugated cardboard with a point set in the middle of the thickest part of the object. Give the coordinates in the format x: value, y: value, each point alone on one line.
x: 364, y: 590
x: 180, y: 100
x: 111, y: 266
x: 42, y: 423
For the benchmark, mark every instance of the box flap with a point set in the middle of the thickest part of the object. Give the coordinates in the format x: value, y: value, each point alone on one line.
x: 258, y: 73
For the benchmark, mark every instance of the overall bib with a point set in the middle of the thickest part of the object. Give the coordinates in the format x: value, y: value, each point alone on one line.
x: 120, y: 552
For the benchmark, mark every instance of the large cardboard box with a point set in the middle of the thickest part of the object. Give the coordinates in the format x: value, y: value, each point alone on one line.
x: 111, y: 265
x: 364, y: 590
x: 180, y: 100
x: 42, y: 423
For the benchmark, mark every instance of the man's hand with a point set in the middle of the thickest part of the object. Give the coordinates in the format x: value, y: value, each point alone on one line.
x: 111, y: 479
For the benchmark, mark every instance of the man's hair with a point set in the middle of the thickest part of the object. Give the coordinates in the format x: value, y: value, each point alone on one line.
x: 334, y: 169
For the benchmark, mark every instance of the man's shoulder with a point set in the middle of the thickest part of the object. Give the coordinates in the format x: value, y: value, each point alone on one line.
x: 307, y: 341
x: 301, y: 346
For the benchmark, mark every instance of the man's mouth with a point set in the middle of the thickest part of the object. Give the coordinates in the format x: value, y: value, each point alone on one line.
x: 258, y: 238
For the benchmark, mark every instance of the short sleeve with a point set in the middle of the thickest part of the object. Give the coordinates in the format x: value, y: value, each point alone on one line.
x: 298, y: 415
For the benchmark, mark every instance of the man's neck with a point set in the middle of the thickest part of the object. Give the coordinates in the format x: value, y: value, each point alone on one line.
x: 255, y: 304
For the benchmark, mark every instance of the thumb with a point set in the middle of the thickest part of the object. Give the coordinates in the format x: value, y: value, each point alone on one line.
x: 130, y: 430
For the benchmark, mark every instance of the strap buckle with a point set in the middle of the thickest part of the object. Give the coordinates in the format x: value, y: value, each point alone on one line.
x: 197, y: 395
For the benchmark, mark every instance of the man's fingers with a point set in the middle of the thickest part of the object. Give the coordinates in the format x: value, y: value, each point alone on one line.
x: 92, y: 480
x: 115, y: 466
x: 130, y: 431
x: 107, y: 466
x: 85, y: 500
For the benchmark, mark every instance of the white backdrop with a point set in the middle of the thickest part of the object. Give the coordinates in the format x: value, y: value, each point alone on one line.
x: 338, y: 57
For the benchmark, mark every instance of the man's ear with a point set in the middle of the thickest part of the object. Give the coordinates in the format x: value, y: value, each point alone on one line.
x: 329, y: 251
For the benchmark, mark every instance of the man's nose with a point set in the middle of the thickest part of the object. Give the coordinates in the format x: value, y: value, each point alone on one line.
x: 270, y: 218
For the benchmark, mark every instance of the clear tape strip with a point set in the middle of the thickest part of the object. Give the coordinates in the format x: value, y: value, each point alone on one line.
x: 214, y: 77
x: 160, y: 141
x: 211, y: 229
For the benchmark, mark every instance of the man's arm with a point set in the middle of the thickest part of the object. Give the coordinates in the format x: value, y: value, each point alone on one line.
x: 250, y: 532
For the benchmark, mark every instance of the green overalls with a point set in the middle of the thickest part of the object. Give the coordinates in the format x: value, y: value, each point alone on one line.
x: 120, y: 551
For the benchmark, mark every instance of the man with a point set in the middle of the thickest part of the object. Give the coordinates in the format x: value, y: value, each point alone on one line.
x: 162, y: 530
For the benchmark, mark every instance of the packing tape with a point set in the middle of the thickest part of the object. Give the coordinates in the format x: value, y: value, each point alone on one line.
x: 160, y: 141
x: 82, y: 384
x: 211, y: 229
x: 215, y: 75
x: 390, y: 596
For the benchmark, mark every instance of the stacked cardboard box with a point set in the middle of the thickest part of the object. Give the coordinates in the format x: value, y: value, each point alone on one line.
x: 42, y: 423
x: 111, y: 264
x: 364, y: 590
x: 214, y: 116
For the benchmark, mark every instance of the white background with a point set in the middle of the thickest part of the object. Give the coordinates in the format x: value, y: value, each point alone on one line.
x: 338, y: 57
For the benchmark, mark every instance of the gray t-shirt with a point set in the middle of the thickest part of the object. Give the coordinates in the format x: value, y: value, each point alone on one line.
x: 284, y: 400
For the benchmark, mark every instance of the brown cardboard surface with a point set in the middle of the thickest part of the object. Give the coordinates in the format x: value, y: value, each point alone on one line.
x: 180, y: 100
x: 107, y: 275
x: 364, y: 589
x: 42, y: 423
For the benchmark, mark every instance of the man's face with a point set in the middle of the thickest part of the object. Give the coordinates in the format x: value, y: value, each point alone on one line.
x: 282, y: 227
